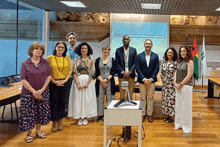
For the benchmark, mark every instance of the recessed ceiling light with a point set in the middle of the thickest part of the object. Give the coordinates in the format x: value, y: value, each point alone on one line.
x: 150, y: 6
x: 218, y: 9
x: 77, y: 4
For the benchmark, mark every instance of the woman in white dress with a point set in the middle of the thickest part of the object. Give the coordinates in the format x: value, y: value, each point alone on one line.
x: 84, y: 103
x: 184, y: 85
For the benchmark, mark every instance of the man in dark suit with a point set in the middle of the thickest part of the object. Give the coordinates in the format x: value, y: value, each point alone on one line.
x: 125, y: 60
x: 147, y: 67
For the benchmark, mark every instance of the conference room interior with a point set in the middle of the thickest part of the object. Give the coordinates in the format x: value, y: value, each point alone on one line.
x: 23, y: 22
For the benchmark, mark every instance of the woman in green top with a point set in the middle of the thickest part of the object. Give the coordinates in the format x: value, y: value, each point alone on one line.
x: 183, y: 84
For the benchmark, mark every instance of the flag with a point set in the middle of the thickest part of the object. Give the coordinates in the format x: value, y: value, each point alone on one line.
x: 196, y: 61
x: 186, y: 43
x: 203, y: 58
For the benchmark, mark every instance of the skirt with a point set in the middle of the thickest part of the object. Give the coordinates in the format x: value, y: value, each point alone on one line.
x: 34, y: 111
x: 84, y: 103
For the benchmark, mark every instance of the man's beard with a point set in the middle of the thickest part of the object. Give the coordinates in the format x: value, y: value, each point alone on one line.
x: 72, y: 43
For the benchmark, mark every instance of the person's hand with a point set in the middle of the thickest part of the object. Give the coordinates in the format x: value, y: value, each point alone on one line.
x: 79, y: 86
x: 38, y: 94
x: 178, y: 86
x: 63, y: 82
x: 59, y: 83
x: 104, y: 83
x: 150, y: 80
x: 147, y: 82
x: 86, y: 85
x: 127, y: 74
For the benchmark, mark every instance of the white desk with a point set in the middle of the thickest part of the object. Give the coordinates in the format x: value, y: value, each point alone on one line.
x: 122, y: 116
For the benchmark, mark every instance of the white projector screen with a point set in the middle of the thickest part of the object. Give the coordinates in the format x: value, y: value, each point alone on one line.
x: 140, y: 27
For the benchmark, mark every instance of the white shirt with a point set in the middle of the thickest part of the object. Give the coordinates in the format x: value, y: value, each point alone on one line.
x: 126, y: 56
x: 147, y: 56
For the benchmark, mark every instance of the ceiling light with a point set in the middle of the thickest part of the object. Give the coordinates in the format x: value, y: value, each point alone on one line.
x: 218, y: 9
x: 77, y: 4
x: 150, y: 6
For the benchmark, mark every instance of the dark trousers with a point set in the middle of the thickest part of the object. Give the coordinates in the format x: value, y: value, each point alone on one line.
x: 58, y: 98
x: 69, y: 84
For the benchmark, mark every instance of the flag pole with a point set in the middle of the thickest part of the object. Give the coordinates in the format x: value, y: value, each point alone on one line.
x: 202, y: 86
x: 202, y: 76
x: 194, y: 86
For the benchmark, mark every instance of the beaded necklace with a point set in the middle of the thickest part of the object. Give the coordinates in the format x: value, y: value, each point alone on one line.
x: 58, y: 65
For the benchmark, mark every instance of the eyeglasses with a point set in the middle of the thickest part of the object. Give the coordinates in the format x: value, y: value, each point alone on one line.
x: 60, y: 47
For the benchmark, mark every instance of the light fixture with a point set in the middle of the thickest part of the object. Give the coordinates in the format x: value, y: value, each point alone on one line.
x: 150, y: 6
x: 76, y: 4
x: 218, y: 9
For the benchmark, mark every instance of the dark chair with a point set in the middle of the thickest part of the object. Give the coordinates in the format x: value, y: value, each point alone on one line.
x: 17, y: 78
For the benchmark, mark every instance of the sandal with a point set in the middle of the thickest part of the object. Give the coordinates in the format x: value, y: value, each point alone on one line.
x: 166, y: 119
x: 29, y: 138
x: 41, y: 136
x: 169, y: 121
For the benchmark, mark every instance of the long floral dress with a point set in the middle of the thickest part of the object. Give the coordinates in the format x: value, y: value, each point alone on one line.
x: 168, y: 90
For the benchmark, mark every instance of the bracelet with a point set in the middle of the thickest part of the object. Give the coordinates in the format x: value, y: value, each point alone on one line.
x: 181, y: 84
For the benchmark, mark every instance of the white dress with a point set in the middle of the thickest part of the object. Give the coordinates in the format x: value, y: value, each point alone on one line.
x: 83, y: 103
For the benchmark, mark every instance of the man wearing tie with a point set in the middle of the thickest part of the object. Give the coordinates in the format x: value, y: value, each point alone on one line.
x: 125, y: 60
x: 147, y: 67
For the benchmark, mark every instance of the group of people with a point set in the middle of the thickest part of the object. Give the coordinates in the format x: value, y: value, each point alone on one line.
x: 63, y: 85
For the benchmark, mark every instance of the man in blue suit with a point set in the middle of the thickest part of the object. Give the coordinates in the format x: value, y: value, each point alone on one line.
x: 125, y: 60
x: 147, y: 67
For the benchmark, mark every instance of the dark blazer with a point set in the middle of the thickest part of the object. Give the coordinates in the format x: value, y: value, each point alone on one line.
x: 120, y: 61
x: 112, y: 72
x: 147, y: 72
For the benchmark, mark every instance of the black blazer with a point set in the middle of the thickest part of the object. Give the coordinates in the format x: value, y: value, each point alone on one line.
x: 120, y: 61
x: 147, y: 72
x: 112, y: 72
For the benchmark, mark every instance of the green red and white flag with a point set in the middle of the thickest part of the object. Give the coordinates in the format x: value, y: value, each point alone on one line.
x: 196, y: 60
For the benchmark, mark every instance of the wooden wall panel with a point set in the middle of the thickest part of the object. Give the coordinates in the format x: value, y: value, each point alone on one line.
x: 91, y: 32
x: 178, y: 34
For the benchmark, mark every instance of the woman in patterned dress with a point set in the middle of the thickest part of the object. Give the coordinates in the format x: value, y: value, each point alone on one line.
x: 105, y: 83
x: 168, y: 68
x: 84, y: 96
x: 35, y: 104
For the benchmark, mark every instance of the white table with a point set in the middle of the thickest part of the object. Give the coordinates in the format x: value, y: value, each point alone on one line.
x: 122, y: 116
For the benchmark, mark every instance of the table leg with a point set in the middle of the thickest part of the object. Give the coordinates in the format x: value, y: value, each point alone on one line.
x: 16, y: 110
x: 11, y: 111
x: 105, y: 132
x: 110, y: 133
x: 210, y: 89
x: 139, y: 135
x: 3, y: 112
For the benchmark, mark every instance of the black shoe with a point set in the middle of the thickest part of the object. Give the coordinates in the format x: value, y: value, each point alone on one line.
x: 99, y: 119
